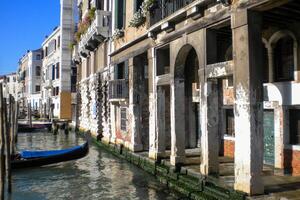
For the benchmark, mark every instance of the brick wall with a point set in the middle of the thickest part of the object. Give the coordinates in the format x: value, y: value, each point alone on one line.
x: 292, y: 161
x: 228, y: 148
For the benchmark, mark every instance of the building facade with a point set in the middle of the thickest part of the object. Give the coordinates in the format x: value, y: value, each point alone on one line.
x: 29, y: 73
x: 91, y: 56
x: 10, y: 85
x: 58, y: 91
x: 218, y: 76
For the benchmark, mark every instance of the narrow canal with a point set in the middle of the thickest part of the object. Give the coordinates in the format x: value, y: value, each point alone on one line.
x: 99, y: 175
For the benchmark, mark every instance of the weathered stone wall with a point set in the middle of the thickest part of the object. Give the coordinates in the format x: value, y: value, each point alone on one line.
x: 228, y: 148
x: 292, y: 161
x: 94, y: 111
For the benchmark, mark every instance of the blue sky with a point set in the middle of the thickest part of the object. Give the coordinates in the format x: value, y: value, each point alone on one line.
x: 24, y: 25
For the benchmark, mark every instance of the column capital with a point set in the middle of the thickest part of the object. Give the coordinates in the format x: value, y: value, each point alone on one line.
x: 242, y: 17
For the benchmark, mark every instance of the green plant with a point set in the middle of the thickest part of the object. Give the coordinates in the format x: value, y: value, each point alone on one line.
x: 71, y: 45
x: 139, y: 17
x: 83, y: 26
x: 117, y: 34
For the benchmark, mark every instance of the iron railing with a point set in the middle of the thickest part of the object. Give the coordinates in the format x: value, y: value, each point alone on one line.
x: 118, y: 89
x: 164, y: 8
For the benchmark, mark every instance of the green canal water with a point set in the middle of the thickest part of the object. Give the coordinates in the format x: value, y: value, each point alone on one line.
x: 99, y: 175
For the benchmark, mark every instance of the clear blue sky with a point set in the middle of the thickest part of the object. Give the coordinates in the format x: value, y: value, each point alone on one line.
x: 24, y: 25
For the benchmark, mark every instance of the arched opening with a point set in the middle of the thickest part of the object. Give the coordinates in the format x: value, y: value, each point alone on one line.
x: 186, y: 73
x: 284, y: 59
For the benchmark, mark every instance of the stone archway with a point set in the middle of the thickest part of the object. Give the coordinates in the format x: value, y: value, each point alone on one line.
x: 184, y: 111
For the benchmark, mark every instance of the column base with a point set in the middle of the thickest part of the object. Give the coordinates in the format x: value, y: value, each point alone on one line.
x: 175, y: 160
x: 250, y: 185
x: 136, y: 147
x: 156, y: 155
x: 206, y: 170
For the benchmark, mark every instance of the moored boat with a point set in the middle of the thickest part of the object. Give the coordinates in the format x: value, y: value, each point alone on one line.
x: 27, y: 159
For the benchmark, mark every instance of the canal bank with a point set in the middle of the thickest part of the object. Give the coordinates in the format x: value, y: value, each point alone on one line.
x: 188, y: 183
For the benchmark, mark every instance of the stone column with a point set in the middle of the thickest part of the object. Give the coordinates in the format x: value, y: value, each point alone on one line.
x: 248, y: 109
x: 153, y: 137
x: 280, y: 125
x: 177, y: 122
x: 159, y: 138
x: 209, y: 127
x: 208, y: 113
x: 134, y: 107
x: 271, y: 65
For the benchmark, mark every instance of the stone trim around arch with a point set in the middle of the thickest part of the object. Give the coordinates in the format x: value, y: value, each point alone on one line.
x: 274, y: 39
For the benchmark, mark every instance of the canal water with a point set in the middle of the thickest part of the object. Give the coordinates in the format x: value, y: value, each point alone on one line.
x: 99, y: 175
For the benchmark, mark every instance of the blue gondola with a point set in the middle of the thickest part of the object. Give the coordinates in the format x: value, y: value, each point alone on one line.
x: 39, y: 158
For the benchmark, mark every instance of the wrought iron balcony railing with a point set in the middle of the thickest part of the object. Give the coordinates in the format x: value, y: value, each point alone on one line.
x: 165, y: 8
x: 118, y: 90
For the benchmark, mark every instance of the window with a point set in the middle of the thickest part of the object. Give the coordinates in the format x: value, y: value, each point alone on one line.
x: 284, y: 59
x: 73, y: 79
x: 294, y: 126
x: 51, y: 47
x: 137, y: 5
x: 121, y: 70
x: 46, y: 51
x: 120, y: 13
x: 265, y: 65
x: 57, y: 91
x: 100, y: 4
x: 38, y: 57
x: 38, y: 71
x: 37, y: 88
x: 124, y: 119
x: 57, y: 70
x: 53, y: 72
x: 58, y: 42
x: 230, y: 122
x: 230, y: 81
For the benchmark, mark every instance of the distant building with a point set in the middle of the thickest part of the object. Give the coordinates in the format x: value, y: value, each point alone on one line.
x: 10, y: 85
x: 57, y: 67
x: 30, y: 66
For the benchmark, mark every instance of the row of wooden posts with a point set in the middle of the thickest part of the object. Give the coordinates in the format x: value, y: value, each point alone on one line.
x: 8, y: 138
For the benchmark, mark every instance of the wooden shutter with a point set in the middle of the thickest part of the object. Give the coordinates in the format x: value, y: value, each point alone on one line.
x: 116, y: 72
x: 126, y: 70
x: 124, y: 14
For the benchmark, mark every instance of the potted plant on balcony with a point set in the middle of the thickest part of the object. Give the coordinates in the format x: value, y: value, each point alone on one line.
x: 118, y: 33
x: 137, y: 20
x: 85, y: 24
x: 139, y: 17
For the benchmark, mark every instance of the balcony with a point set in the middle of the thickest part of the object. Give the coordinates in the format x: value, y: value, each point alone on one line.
x: 96, y: 33
x: 75, y: 55
x: 118, y: 90
x: 165, y: 8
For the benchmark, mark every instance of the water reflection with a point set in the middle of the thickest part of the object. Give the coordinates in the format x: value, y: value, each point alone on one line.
x: 99, y: 175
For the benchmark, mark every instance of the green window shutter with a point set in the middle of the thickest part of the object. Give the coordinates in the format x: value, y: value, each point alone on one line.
x: 124, y: 14
x: 116, y: 13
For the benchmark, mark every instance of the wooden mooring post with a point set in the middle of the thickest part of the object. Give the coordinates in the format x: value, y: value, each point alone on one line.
x: 29, y: 114
x: 8, y: 131
x: 8, y: 140
x: 2, y: 130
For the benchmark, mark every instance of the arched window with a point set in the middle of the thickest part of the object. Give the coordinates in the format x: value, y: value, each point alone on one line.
x: 38, y: 71
x: 284, y: 59
x: 265, y: 65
